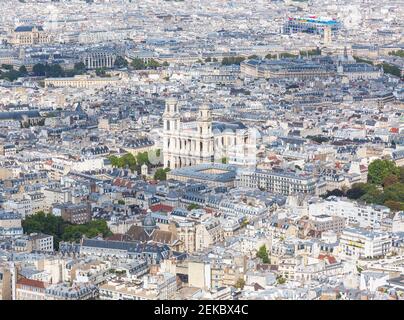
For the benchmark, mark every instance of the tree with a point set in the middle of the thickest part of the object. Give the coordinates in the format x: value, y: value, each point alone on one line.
x: 79, y: 67
x: 100, y: 72
x: 142, y: 158
x: 361, y: 60
x: 401, y: 175
x: 318, y: 138
x: 379, y: 169
x: 54, y: 71
x: 114, y: 161
x: 39, y: 69
x: 280, y: 280
x: 398, y: 53
x: 138, y: 64
x: 335, y: 193
x: 391, y: 69
x: 394, y: 205
x: 394, y: 192
x: 165, y: 64
x: 120, y: 62
x: 193, y: 206
x: 161, y: 174
x: 153, y: 64
x: 263, y: 254
x: 7, y: 66
x: 224, y: 160
x: 287, y: 55
x: 121, y: 201
x: 23, y: 70
x: 240, y: 283
x: 270, y: 56
x: 357, y: 191
x: 208, y: 59
x: 126, y: 161
x: 11, y: 75
x: 232, y: 60
x: 63, y: 230
x: 389, y: 180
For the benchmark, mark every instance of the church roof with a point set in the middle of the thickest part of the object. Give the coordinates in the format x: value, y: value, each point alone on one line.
x: 27, y: 28
x: 149, y: 221
x: 232, y: 126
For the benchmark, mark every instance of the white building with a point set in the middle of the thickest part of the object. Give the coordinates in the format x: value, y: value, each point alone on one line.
x: 359, y: 243
x: 353, y: 212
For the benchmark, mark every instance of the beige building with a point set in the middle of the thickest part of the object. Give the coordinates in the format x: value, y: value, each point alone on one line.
x: 28, y: 289
x: 211, y: 277
x: 199, y: 275
x: 6, y: 281
x: 120, y: 290
x: 82, y: 81
x: 208, y: 232
x: 30, y: 35
x: 186, y: 232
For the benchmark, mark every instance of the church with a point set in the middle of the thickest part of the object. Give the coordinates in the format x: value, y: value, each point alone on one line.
x: 203, y: 140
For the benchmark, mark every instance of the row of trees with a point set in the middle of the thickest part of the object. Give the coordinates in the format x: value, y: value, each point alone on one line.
x: 391, y: 69
x: 387, y: 67
x: 139, y: 64
x: 11, y: 74
x: 56, y: 71
x: 290, y: 55
x: 362, y: 60
x: 102, y: 72
x: 129, y: 161
x: 398, y: 53
x: 209, y: 59
x: 313, y: 52
x: 226, y: 61
x: 318, y: 138
x: 385, y: 186
x: 62, y: 230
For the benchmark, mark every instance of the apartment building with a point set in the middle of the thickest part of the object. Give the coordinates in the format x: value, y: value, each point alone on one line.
x: 325, y: 222
x: 186, y: 232
x: 28, y: 289
x: 278, y: 182
x: 354, y: 212
x: 34, y: 242
x: 10, y: 224
x: 73, y: 213
x: 208, y: 232
x: 64, y: 291
x: 359, y: 243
